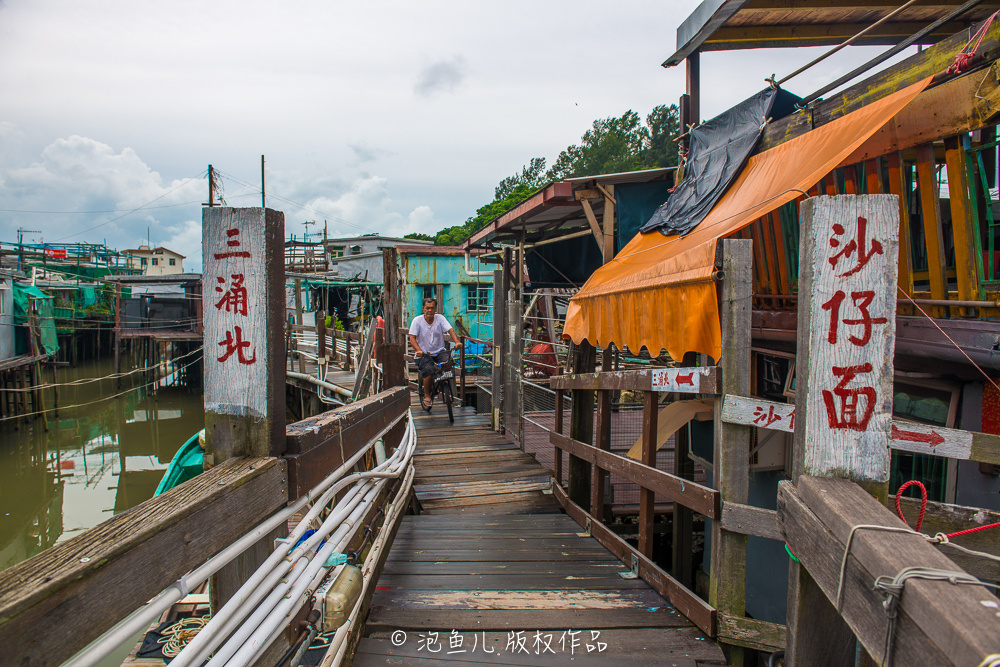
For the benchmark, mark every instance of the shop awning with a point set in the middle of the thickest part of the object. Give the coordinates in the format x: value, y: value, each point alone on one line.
x: 658, y: 292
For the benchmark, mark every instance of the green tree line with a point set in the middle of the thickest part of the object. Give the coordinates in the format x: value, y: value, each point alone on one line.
x: 611, y: 145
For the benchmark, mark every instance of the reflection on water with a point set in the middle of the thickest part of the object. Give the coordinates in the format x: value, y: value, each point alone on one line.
x: 94, y: 461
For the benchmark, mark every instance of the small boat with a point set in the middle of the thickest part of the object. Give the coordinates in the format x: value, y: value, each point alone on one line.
x: 187, y: 463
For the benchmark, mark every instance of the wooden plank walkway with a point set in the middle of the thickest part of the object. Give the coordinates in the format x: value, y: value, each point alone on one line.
x: 492, y: 571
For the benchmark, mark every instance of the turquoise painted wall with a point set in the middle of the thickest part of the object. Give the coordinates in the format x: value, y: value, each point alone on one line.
x: 428, y: 271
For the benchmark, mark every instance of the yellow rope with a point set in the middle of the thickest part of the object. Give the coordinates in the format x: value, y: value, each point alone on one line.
x: 176, y: 637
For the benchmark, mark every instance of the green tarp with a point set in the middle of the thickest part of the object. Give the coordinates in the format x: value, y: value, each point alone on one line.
x: 23, y: 296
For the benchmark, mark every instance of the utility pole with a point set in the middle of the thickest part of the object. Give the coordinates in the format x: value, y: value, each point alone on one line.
x: 263, y: 199
x: 211, y: 186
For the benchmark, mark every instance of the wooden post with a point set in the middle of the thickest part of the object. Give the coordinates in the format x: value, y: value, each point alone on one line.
x: 583, y: 359
x: 461, y: 369
x: 933, y: 235
x: 962, y: 225
x: 650, y: 407
x: 298, y: 301
x: 558, y: 428
x: 844, y: 370
x: 321, y: 336
x: 727, y: 585
x: 118, y: 331
x: 394, y: 365
x: 499, y: 311
x: 602, y: 440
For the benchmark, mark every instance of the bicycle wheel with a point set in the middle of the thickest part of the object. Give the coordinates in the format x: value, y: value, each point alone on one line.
x: 446, y: 397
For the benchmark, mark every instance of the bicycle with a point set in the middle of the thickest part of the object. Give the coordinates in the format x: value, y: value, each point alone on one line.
x: 441, y: 384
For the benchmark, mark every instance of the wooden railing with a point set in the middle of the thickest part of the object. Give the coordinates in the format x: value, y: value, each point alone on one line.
x: 904, y: 601
x: 651, y: 480
x: 56, y: 603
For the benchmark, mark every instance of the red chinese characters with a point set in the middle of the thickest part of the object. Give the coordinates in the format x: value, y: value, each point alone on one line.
x: 862, y: 301
x: 858, y: 247
x: 233, y: 242
x: 851, y: 402
x: 234, y: 300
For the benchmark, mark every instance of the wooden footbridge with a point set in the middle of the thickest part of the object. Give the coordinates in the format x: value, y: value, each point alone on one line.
x: 492, y: 559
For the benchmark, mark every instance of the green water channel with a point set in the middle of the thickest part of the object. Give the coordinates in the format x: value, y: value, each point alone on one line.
x: 104, y: 452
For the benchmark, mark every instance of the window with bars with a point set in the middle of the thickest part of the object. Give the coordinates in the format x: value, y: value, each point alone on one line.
x: 479, y: 298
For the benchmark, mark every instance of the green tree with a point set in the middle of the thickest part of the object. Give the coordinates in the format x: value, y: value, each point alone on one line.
x: 664, y: 126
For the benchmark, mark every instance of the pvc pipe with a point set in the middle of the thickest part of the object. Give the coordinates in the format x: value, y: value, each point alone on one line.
x: 326, y: 385
x: 335, y: 653
x: 265, y: 578
x: 468, y: 266
x: 268, y: 574
x: 271, y: 616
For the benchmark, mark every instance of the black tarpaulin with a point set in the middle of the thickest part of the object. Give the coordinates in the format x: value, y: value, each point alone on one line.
x: 718, y: 150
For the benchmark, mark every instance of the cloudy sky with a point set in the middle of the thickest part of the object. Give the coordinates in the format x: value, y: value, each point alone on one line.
x: 378, y: 116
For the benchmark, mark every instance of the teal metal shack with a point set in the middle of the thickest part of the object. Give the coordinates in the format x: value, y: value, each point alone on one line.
x: 439, y: 272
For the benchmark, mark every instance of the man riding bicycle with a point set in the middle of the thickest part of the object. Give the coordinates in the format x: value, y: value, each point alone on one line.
x: 427, y: 339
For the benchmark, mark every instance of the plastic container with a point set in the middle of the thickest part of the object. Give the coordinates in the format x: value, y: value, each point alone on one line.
x: 341, y: 597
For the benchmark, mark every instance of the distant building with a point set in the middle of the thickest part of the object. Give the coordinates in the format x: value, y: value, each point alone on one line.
x: 157, y: 261
x: 438, y: 272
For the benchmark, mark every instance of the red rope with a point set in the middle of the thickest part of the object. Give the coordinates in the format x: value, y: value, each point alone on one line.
x: 923, y: 510
x: 964, y: 57
x: 972, y: 530
x: 923, y: 502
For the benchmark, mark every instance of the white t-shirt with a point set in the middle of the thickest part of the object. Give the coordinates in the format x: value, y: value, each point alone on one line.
x: 430, y: 337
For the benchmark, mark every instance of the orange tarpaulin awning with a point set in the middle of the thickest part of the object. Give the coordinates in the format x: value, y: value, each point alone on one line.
x: 658, y: 292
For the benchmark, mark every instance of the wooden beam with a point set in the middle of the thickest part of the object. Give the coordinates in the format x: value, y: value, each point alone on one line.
x: 608, y: 242
x: 699, y: 498
x: 820, y: 34
x: 930, y: 215
x: 963, y: 227
x: 692, y: 380
x: 936, y: 622
x: 83, y: 585
x: 897, y: 186
x: 750, y: 520
x: 588, y: 210
x: 751, y: 633
x: 961, y: 105
x: 927, y: 62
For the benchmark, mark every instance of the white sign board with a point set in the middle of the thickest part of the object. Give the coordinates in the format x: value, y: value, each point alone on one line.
x: 847, y: 303
x: 686, y: 380
x: 234, y: 307
x: 904, y: 436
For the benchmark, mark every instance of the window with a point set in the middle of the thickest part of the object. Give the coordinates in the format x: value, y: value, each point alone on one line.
x: 336, y: 251
x: 479, y: 298
x: 156, y: 262
x: 142, y: 261
x: 173, y: 262
x: 428, y: 292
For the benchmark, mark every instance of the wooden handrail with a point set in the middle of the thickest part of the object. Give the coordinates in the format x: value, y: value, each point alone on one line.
x: 699, y: 498
x: 49, y: 603
x: 693, y: 607
x: 694, y: 380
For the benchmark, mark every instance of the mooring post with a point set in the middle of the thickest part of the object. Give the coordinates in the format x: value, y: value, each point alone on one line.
x: 243, y: 263
x: 843, y: 378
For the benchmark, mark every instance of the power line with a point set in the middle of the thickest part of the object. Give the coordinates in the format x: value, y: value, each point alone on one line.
x: 138, y: 208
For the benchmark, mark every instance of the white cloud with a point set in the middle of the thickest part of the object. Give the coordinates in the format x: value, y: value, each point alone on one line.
x: 81, y: 190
